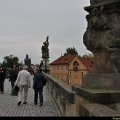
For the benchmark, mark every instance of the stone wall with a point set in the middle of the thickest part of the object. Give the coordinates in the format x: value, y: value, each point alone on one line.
x: 63, y: 96
x: 76, y: 101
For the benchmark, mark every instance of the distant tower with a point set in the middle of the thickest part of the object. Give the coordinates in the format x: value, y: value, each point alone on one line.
x: 27, y: 61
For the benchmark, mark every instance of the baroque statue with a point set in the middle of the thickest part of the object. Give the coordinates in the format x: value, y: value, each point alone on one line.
x: 102, y: 38
x: 45, y: 50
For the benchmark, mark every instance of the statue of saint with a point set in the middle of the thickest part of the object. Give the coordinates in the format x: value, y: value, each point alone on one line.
x: 45, y: 48
x: 45, y: 44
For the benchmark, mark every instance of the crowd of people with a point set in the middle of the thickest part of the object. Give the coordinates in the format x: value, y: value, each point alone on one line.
x: 21, y: 77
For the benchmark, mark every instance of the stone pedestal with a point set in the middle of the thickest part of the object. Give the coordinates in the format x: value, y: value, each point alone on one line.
x: 101, y: 81
x: 45, y: 55
x: 102, y: 38
x: 45, y: 66
x: 101, y: 96
x: 99, y: 102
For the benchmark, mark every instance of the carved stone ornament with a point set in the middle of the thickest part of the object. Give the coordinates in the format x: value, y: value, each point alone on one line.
x: 93, y: 2
x: 102, y: 38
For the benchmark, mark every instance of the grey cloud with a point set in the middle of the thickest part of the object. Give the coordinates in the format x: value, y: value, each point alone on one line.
x: 25, y: 25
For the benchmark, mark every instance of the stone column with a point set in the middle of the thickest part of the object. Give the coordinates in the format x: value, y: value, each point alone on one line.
x: 102, y: 38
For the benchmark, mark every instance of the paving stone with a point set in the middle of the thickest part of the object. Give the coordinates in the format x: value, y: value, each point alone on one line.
x: 9, y: 107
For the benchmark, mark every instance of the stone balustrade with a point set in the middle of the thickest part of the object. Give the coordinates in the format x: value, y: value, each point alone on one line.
x: 71, y: 100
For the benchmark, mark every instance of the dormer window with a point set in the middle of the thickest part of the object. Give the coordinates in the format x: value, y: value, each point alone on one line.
x: 75, y: 65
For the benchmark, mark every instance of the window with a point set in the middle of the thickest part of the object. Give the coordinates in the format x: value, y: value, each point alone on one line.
x: 69, y: 73
x: 75, y: 65
x: 82, y: 75
x: 66, y: 67
x: 67, y: 78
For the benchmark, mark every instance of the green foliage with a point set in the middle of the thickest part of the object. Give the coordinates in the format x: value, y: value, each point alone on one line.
x: 10, y: 60
x: 71, y: 50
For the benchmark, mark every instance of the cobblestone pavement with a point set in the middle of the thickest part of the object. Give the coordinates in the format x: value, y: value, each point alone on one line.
x: 9, y: 107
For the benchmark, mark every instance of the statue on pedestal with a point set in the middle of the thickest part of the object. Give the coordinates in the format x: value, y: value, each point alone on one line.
x: 102, y: 38
x: 45, y: 50
x: 45, y: 55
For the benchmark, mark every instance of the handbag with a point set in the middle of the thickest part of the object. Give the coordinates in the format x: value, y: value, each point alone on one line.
x: 15, y: 90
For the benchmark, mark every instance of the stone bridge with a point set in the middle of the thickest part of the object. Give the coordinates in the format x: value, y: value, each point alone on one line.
x: 99, y: 95
x: 62, y: 100
x: 76, y: 101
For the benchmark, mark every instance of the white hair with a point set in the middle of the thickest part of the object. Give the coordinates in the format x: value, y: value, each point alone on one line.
x: 25, y: 67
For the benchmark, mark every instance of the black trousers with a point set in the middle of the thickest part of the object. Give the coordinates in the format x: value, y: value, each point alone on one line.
x: 2, y: 86
x: 12, y: 84
x: 40, y: 93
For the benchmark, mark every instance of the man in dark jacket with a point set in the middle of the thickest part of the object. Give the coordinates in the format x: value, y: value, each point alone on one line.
x: 38, y: 85
x: 2, y: 79
x: 12, y: 78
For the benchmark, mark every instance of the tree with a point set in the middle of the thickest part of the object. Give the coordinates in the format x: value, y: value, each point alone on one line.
x: 71, y: 50
x: 10, y: 60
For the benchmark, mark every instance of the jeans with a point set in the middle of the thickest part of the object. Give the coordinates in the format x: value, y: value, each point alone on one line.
x: 12, y: 84
x: 40, y: 93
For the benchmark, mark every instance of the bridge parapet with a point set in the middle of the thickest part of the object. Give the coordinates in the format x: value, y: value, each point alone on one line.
x: 73, y: 100
x: 63, y: 96
x: 97, y: 102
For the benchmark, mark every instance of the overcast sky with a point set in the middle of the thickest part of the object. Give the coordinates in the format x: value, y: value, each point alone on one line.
x: 25, y: 24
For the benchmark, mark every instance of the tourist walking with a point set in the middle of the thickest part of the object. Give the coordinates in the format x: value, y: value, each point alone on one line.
x: 24, y: 83
x: 12, y: 77
x: 38, y: 84
x: 2, y: 79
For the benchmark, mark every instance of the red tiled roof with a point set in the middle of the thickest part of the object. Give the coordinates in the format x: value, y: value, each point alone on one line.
x: 63, y: 59
x: 88, y: 62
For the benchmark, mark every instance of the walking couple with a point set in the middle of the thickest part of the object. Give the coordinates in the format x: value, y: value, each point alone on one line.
x: 24, y: 83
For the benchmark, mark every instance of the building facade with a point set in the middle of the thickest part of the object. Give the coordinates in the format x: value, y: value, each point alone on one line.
x: 70, y: 68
